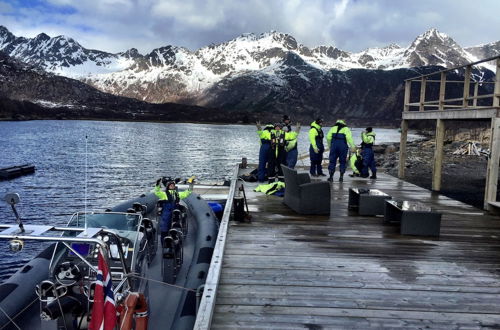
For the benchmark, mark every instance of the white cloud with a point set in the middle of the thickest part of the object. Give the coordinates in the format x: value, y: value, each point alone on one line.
x: 353, y: 25
x: 5, y: 8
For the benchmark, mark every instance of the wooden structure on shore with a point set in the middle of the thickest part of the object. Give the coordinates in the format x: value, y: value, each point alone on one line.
x: 463, y: 108
x: 284, y: 270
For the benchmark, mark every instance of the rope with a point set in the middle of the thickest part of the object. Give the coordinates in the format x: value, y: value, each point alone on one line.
x: 15, y: 316
x: 160, y: 282
x: 207, y: 190
x: 60, y: 307
x: 11, y: 320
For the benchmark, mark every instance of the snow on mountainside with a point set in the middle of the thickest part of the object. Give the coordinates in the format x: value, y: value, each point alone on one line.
x: 176, y: 74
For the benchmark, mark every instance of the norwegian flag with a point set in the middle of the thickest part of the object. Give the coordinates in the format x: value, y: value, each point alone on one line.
x: 104, y: 309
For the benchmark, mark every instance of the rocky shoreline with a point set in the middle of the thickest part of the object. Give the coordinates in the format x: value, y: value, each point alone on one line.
x: 463, y: 176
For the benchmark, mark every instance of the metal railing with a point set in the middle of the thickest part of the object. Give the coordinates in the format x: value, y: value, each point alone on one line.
x: 207, y: 304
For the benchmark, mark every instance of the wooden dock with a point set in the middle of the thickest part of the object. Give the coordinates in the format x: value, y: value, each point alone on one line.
x: 288, y: 271
x: 16, y: 171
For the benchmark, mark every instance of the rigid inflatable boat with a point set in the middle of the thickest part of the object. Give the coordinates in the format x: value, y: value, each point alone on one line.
x: 153, y: 286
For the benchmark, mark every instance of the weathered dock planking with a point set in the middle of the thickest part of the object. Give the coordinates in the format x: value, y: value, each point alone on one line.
x: 289, y: 271
x: 16, y: 171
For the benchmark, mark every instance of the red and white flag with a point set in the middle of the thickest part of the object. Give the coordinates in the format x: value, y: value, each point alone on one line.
x: 103, y: 309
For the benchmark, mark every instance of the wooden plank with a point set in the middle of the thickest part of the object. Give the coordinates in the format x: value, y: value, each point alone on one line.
x: 289, y: 311
x: 490, y: 194
x: 284, y: 270
x: 407, y: 96
x: 465, y: 101
x: 483, y: 113
x: 438, y: 155
x: 493, y: 58
x: 442, y: 90
x: 423, y: 86
x: 496, y: 99
x: 476, y: 92
x: 402, y: 149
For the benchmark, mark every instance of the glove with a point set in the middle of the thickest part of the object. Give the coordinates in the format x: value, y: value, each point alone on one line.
x: 158, y: 182
x: 259, y: 127
x: 353, y: 150
x: 297, y: 128
x: 316, y: 150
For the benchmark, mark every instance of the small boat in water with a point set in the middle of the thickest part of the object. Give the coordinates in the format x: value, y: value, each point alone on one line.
x: 153, y: 285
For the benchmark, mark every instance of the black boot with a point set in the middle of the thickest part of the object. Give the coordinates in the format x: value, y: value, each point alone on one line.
x: 341, y: 179
x: 331, y: 176
x: 374, y: 176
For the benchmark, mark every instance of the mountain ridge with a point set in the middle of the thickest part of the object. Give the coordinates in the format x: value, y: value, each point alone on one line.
x: 253, y: 74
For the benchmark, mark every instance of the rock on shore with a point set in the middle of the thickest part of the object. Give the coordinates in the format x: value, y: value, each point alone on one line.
x: 463, y: 176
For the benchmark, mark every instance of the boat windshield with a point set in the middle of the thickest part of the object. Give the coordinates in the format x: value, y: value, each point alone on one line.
x: 109, y: 220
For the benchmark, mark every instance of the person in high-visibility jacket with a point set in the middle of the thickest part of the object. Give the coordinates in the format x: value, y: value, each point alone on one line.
x: 356, y: 162
x: 339, y: 138
x: 287, y: 127
x: 367, y: 142
x: 265, y: 146
x: 291, y: 143
x: 171, y: 197
x: 276, y: 153
x: 316, y: 147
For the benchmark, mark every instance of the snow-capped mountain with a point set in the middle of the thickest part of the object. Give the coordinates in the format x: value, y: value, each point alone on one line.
x: 485, y: 51
x: 30, y: 93
x: 176, y: 74
x: 260, y: 74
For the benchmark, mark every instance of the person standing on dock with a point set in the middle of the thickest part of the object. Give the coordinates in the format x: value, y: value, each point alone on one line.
x: 264, y: 151
x: 291, y: 152
x: 339, y: 138
x: 367, y: 141
x: 170, y: 199
x: 316, y: 148
x: 276, y: 153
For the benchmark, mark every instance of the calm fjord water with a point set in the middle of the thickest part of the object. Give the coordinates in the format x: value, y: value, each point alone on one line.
x: 124, y: 160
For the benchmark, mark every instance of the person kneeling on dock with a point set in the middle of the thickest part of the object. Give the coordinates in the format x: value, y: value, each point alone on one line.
x: 171, y: 197
x: 356, y: 162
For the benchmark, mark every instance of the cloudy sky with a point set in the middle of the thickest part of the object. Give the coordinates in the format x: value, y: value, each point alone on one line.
x: 352, y: 25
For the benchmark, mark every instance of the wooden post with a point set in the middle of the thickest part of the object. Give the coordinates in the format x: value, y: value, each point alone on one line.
x: 402, y: 149
x: 442, y: 90
x: 490, y: 194
x: 496, y: 97
x: 438, y: 156
x: 422, y: 93
x: 406, y: 107
x: 476, y: 92
x: 465, y: 102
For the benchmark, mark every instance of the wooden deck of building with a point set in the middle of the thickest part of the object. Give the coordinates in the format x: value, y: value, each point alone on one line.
x: 288, y: 271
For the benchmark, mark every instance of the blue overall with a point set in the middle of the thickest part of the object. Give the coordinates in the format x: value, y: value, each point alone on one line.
x: 316, y: 158
x: 276, y: 156
x: 169, y: 206
x: 368, y: 161
x: 265, y: 146
x: 291, y: 157
x: 338, y: 149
